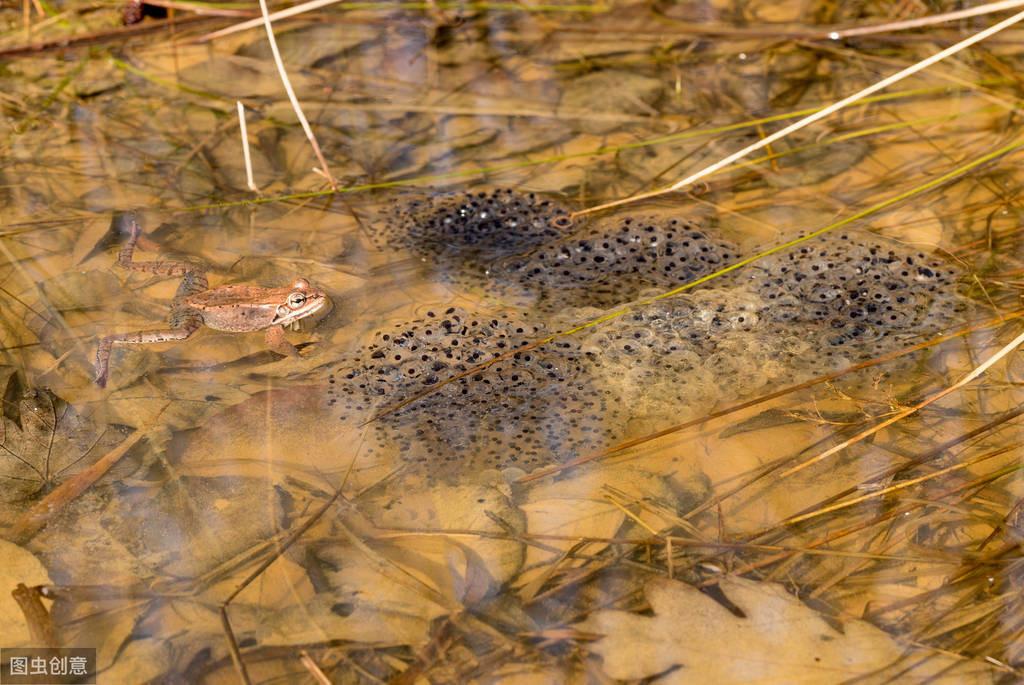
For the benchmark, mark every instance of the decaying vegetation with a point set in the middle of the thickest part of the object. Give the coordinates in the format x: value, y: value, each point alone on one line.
x: 205, y: 519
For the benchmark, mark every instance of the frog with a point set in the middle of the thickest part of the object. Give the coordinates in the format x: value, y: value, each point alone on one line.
x: 232, y: 308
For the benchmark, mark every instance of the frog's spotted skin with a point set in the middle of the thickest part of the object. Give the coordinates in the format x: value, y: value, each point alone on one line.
x: 801, y: 312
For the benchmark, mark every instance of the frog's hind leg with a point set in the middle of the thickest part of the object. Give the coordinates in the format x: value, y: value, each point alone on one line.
x: 137, y: 338
x: 160, y: 267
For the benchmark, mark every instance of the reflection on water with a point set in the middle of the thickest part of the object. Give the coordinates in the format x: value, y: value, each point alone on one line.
x: 396, y: 498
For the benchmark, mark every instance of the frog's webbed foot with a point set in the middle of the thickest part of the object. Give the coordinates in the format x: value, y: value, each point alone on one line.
x: 135, y: 338
x: 278, y: 343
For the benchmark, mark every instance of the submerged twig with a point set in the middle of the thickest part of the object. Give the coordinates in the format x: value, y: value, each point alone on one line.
x: 810, y: 119
x: 910, y: 482
x: 236, y: 653
x: 29, y: 523
x: 314, y: 668
x: 116, y: 34
x: 292, y: 97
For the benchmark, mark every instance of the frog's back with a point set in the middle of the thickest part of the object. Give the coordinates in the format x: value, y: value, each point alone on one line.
x: 225, y: 296
x: 235, y: 308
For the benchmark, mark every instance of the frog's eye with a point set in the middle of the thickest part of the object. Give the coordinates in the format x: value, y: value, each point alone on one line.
x: 296, y: 300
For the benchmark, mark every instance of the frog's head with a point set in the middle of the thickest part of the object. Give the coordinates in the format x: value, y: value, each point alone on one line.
x: 301, y: 300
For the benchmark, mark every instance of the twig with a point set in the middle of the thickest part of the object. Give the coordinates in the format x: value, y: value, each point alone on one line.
x: 832, y: 535
x: 199, y: 8
x: 304, y: 7
x: 245, y: 147
x: 978, y: 371
x: 236, y: 653
x: 41, y: 628
x: 229, y: 634
x: 845, y: 504
x: 119, y: 34
x: 820, y: 114
x: 29, y: 523
x: 294, y: 100
x: 288, y: 542
x: 896, y: 470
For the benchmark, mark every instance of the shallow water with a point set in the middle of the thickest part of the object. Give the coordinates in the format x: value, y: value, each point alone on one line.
x: 394, y: 509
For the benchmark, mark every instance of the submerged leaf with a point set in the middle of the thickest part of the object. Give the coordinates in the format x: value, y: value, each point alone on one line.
x: 693, y: 639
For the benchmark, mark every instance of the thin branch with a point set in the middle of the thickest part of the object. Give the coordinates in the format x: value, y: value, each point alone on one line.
x: 30, y: 522
x: 282, y: 14
x: 910, y: 482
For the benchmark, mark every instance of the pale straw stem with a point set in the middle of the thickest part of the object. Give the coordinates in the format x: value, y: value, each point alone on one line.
x: 817, y: 116
x: 245, y: 147
x: 988, y: 8
x: 978, y: 371
x: 324, y: 170
x: 282, y: 14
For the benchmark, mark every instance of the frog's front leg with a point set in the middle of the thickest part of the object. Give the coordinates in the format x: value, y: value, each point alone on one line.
x: 278, y: 343
x: 136, y: 338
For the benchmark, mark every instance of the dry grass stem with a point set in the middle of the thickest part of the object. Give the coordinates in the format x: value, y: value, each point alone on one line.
x: 636, y: 442
x: 978, y: 371
x: 914, y: 461
x: 324, y: 170
x: 314, y: 670
x: 894, y: 488
x: 202, y: 9
x: 236, y: 653
x: 245, y: 148
x: 816, y: 116
x: 253, y: 23
x: 907, y: 24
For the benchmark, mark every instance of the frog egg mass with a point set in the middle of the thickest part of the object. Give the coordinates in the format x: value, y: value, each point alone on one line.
x: 517, y: 412
x: 610, y: 262
x: 473, y: 228
x: 804, y: 310
x: 860, y: 293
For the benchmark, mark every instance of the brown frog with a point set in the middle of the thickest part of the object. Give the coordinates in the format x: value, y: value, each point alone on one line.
x: 235, y: 308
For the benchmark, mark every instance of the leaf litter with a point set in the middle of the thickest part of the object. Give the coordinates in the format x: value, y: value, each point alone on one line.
x: 245, y: 437
x: 760, y: 634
